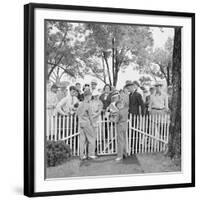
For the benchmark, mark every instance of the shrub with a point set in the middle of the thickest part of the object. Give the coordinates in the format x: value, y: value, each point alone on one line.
x: 57, y: 152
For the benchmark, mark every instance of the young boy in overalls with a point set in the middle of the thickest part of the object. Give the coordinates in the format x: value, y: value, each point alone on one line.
x: 87, y: 136
x: 121, y: 120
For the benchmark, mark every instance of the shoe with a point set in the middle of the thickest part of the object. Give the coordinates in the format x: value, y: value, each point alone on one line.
x: 83, y: 158
x: 125, y: 156
x: 118, y: 159
x: 92, y: 157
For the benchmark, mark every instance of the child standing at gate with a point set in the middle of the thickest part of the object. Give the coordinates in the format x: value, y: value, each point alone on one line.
x: 121, y: 120
x: 112, y: 109
x: 87, y: 136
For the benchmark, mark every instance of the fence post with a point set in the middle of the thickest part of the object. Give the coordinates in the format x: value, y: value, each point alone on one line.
x: 112, y: 138
x: 143, y: 129
x: 59, y: 127
x: 158, y: 133
x: 134, y: 134
x: 130, y: 134
x: 146, y: 130
x: 78, y: 143
x: 161, y: 134
x: 74, y: 127
x: 100, y: 136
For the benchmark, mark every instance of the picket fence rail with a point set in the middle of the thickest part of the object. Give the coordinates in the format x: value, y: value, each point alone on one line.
x: 145, y: 134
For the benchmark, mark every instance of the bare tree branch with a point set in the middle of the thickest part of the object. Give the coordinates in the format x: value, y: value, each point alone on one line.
x: 109, y: 75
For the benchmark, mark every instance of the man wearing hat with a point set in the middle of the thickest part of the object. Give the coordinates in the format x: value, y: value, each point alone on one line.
x: 66, y: 105
x: 136, y: 105
x: 87, y: 135
x: 158, y: 101
x: 93, y: 86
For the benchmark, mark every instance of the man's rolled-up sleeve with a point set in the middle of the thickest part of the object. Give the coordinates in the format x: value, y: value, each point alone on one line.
x: 141, y: 103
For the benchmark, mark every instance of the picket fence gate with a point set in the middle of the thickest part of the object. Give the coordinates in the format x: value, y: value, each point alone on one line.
x: 145, y: 134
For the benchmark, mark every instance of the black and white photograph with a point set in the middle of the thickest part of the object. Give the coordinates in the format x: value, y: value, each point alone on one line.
x: 110, y: 90
x: 109, y: 100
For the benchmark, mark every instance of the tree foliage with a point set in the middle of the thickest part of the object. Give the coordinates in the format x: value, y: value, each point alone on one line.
x: 145, y: 81
x: 102, y: 50
x: 61, y: 55
x: 116, y: 46
x: 163, y: 58
x: 158, y: 62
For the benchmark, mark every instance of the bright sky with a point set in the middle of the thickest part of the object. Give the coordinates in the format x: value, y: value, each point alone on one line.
x: 159, y: 36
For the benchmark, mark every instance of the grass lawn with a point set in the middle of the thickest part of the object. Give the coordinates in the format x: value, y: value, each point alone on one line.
x: 106, y: 165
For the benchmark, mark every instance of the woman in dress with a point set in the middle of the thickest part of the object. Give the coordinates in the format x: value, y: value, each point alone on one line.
x: 106, y: 96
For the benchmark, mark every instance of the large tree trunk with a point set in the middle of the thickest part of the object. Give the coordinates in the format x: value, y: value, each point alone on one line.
x: 169, y: 71
x: 104, y: 74
x: 107, y: 65
x: 115, y: 77
x: 174, y: 148
x: 54, y: 66
x: 113, y: 59
x: 168, y: 74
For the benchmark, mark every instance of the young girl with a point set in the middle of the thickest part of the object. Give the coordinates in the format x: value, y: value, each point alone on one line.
x: 112, y: 109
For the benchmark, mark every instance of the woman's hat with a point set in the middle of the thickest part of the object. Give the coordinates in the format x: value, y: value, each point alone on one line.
x: 128, y: 83
x: 144, y: 89
x: 73, y: 88
x: 136, y: 83
x: 158, y: 84
x: 54, y: 86
x: 94, y: 81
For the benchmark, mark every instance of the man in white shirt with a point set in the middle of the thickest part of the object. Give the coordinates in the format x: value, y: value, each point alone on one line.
x: 94, y: 86
x: 67, y: 104
x: 158, y: 101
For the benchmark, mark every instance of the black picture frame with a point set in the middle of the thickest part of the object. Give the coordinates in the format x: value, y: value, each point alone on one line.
x: 29, y: 95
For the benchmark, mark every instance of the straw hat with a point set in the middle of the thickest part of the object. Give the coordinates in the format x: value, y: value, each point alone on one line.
x: 158, y: 84
x: 94, y: 81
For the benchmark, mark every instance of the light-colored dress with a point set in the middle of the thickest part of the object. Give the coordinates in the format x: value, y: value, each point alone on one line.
x: 158, y: 104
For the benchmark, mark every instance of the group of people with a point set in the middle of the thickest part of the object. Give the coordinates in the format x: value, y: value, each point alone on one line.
x: 90, y: 103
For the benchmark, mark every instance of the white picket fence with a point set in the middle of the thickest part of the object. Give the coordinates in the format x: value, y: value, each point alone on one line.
x: 145, y: 134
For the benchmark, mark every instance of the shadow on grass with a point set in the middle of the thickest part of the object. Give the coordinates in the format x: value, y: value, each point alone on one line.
x: 103, y: 159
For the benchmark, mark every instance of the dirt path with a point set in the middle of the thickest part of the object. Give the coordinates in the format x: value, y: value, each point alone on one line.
x: 106, y: 165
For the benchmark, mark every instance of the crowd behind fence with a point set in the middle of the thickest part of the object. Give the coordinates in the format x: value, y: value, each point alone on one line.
x: 145, y: 133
